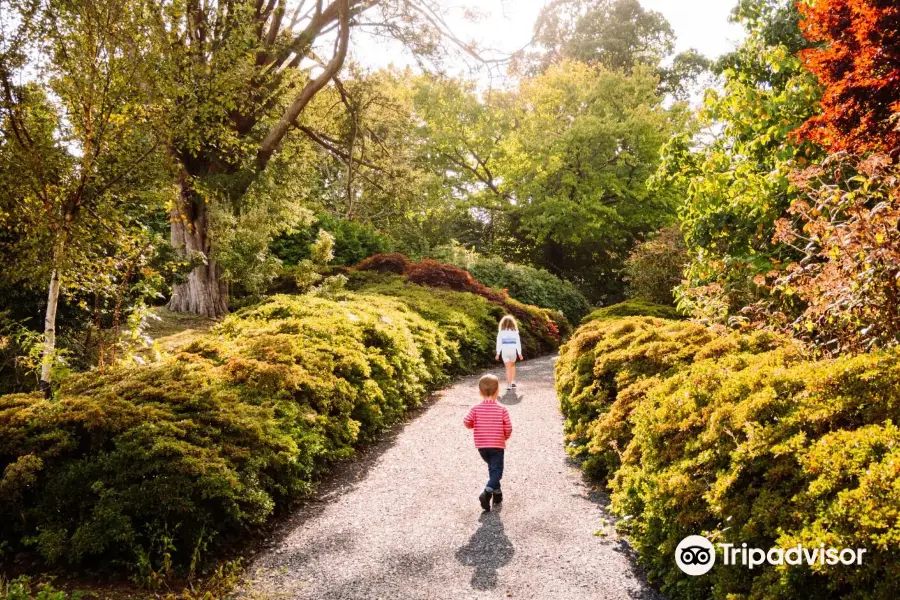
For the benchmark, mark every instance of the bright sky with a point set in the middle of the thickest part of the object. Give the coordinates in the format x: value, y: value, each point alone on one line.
x: 507, y: 26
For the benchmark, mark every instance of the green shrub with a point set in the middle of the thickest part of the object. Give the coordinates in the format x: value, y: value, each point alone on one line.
x: 143, y: 465
x: 540, y: 329
x: 20, y: 358
x: 655, y: 267
x: 544, y: 328
x: 22, y: 588
x: 607, y: 366
x: 771, y: 451
x: 353, y: 241
x: 635, y: 307
x: 524, y: 283
x: 743, y: 439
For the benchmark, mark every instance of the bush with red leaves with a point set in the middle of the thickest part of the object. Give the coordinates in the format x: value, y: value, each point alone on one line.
x: 393, y: 262
x: 437, y: 274
x: 548, y: 327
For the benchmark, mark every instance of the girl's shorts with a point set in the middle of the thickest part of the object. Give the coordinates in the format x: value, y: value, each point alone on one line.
x: 508, y: 353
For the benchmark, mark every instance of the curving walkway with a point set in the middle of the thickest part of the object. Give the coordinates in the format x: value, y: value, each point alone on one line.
x: 404, y: 521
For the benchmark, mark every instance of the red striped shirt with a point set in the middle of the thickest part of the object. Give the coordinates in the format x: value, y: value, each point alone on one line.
x: 491, y: 423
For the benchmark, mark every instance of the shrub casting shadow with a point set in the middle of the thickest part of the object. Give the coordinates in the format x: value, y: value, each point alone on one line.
x: 487, y: 550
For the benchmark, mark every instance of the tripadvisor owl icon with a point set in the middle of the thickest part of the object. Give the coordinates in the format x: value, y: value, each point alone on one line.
x: 695, y: 555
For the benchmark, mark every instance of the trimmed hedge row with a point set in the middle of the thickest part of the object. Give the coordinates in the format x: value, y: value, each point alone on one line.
x: 744, y: 440
x: 608, y: 366
x: 174, y: 457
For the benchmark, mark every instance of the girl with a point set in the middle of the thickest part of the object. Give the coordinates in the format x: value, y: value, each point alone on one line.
x: 508, y: 347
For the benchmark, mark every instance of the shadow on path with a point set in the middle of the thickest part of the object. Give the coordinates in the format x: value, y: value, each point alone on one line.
x: 511, y: 398
x: 487, y: 550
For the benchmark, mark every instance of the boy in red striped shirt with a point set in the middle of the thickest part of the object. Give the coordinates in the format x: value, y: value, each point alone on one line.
x: 492, y: 426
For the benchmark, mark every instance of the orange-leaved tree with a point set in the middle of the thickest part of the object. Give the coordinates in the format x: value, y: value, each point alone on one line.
x: 857, y: 60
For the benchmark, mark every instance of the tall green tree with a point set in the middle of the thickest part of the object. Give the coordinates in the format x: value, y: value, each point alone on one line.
x: 75, y: 147
x: 617, y: 34
x: 235, y: 80
x: 586, y: 142
x: 374, y: 162
x: 369, y: 153
x: 462, y: 135
x: 734, y: 170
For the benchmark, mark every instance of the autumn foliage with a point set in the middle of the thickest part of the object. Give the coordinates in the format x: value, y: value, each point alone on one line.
x: 846, y: 230
x: 858, y: 63
x: 393, y: 262
x: 437, y: 274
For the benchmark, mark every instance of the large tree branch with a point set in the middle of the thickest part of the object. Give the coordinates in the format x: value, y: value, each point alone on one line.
x: 289, y: 118
x: 487, y: 178
x: 332, y: 147
x: 303, y: 41
x: 434, y: 18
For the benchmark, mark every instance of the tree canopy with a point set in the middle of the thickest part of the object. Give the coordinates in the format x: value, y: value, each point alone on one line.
x: 857, y: 60
x: 156, y: 151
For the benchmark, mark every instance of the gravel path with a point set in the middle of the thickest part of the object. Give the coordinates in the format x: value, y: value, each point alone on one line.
x: 404, y: 520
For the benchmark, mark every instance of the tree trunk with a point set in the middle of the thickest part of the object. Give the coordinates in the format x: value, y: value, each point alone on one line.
x: 49, y: 332
x: 204, y: 293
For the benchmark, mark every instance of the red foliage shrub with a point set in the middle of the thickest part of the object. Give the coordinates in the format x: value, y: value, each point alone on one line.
x: 858, y: 63
x: 553, y: 328
x: 432, y: 273
x: 393, y: 262
x: 846, y: 229
x: 437, y: 274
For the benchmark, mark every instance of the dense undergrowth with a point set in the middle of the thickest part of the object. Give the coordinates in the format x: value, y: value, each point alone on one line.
x: 547, y: 324
x: 145, y: 468
x: 743, y: 439
x: 510, y: 285
x: 523, y: 282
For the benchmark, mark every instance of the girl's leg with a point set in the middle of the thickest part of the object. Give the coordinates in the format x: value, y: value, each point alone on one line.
x: 510, y: 371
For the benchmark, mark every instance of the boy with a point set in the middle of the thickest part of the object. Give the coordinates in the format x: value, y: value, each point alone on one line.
x: 492, y: 426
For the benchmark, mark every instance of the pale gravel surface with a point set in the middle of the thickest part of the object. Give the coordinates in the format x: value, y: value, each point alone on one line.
x: 405, y: 522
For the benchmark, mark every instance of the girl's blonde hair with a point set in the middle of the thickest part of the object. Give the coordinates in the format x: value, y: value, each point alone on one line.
x: 508, y: 322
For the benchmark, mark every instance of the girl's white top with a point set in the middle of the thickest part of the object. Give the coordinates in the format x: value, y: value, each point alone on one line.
x: 509, y: 338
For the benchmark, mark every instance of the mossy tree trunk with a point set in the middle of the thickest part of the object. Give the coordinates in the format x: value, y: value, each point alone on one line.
x: 204, y: 293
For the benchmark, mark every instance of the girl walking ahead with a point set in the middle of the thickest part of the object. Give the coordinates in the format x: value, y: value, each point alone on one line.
x: 509, y: 346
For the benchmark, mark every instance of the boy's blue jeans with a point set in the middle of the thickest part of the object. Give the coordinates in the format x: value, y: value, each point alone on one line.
x: 494, y: 459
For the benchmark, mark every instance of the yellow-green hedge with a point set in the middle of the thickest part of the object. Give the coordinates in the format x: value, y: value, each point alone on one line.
x: 633, y: 307
x: 172, y: 458
x: 744, y: 440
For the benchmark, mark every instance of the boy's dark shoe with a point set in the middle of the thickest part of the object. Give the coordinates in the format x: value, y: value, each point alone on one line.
x: 498, y: 498
x: 485, y: 499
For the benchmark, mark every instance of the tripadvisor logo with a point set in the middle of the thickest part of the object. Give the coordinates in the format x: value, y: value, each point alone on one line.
x: 695, y: 555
